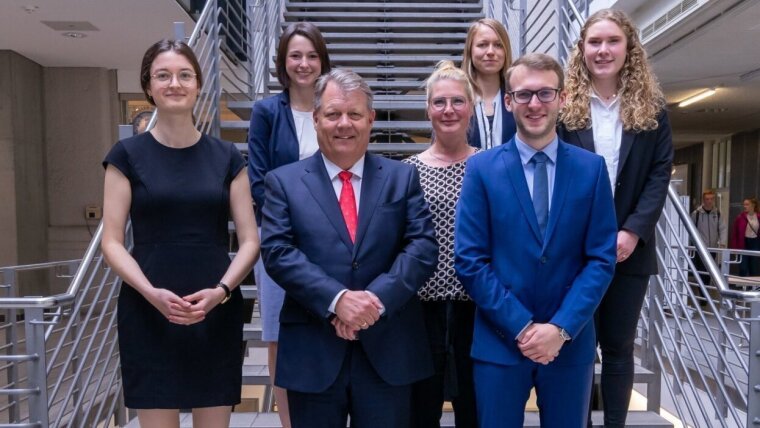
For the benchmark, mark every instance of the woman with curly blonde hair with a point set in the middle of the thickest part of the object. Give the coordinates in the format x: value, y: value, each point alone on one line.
x: 615, y: 108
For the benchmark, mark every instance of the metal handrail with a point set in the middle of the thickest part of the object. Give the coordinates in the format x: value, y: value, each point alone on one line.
x: 712, y: 268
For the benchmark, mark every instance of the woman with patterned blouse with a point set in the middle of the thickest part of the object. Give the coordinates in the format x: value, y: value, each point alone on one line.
x: 449, y: 312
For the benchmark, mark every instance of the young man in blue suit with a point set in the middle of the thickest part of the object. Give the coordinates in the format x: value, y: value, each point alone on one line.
x: 349, y: 237
x: 536, y: 268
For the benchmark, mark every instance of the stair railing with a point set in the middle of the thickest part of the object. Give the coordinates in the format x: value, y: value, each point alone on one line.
x: 60, y: 357
x: 234, y: 42
x: 698, y: 332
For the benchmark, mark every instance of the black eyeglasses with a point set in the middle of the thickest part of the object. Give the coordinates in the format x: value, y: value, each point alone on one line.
x: 545, y: 95
x: 457, y: 103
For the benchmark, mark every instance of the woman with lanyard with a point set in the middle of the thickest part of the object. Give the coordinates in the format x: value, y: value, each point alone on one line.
x: 487, y: 56
x: 448, y: 310
x: 615, y: 107
x: 281, y: 132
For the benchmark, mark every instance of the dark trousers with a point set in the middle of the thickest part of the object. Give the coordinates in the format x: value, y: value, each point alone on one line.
x: 449, y: 326
x: 616, y: 320
x: 749, y: 265
x: 561, y: 391
x: 358, y: 391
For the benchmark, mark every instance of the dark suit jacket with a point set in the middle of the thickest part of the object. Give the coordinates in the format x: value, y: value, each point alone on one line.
x: 644, y: 169
x: 272, y: 142
x: 508, y: 126
x: 512, y: 273
x: 307, y: 250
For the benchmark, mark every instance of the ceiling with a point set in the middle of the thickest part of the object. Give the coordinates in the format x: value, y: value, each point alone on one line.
x: 718, y: 42
x: 125, y: 29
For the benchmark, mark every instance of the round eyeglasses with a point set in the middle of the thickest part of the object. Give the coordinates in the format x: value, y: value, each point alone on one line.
x: 545, y: 95
x: 457, y: 103
x: 184, y: 77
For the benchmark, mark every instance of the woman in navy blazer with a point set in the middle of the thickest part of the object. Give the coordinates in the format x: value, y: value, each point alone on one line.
x: 487, y: 56
x: 615, y: 108
x: 282, y: 132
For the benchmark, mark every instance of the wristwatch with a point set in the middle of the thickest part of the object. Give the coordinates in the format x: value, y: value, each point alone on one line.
x: 563, y: 333
x: 227, y: 292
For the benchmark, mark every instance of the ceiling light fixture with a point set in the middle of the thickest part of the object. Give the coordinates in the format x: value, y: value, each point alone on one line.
x: 74, y: 35
x: 698, y: 97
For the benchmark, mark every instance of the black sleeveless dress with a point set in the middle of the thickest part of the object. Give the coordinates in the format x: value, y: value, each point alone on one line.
x: 179, y: 212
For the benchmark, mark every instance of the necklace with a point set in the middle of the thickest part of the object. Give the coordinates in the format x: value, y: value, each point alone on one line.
x: 451, y: 161
x: 604, y: 97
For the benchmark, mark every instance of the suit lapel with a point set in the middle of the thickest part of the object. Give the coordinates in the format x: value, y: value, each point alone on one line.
x: 586, y: 137
x: 562, y: 178
x: 285, y: 105
x: 517, y: 178
x: 320, y: 186
x: 373, y: 183
x: 625, y: 149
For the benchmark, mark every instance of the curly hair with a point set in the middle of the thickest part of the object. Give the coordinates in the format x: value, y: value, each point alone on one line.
x: 501, y: 33
x: 641, y: 98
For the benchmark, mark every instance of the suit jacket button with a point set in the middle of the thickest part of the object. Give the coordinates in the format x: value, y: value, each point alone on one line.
x: 543, y: 259
x: 355, y: 266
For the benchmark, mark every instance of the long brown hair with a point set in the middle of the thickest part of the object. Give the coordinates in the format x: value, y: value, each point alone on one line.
x: 641, y: 97
x: 501, y: 33
x: 166, y: 45
x: 310, y: 32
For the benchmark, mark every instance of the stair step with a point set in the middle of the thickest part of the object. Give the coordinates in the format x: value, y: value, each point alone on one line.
x: 394, y: 37
x: 384, y: 6
x: 400, y: 148
x: 351, y: 60
x: 271, y: 420
x: 386, y: 71
x: 378, y: 85
x: 252, y: 330
x: 395, y: 2
x: 379, y: 125
x: 248, y: 291
x: 414, y: 103
x: 254, y: 374
x: 335, y: 48
x: 383, y: 17
x: 640, y: 374
x: 409, y: 27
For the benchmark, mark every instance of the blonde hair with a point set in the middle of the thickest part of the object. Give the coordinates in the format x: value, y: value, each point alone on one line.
x: 641, y: 99
x: 501, y: 33
x: 446, y: 70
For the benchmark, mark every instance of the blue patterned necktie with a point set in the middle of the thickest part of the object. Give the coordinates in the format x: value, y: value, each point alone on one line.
x: 541, y: 190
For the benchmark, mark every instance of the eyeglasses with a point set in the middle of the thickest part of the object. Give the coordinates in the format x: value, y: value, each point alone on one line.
x: 524, y: 96
x: 457, y: 103
x: 184, y: 77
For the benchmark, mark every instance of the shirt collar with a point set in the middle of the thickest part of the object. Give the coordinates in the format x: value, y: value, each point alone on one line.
x: 333, y: 170
x: 526, y: 152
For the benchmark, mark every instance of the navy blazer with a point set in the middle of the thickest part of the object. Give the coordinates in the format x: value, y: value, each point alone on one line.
x: 272, y: 142
x: 644, y: 170
x: 308, y: 252
x: 513, y: 274
x: 508, y: 126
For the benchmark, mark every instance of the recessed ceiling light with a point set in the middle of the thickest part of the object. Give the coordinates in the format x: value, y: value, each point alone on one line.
x: 74, y: 35
x: 30, y: 8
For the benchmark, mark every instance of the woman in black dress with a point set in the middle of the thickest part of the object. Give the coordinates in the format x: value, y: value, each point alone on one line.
x: 180, y: 311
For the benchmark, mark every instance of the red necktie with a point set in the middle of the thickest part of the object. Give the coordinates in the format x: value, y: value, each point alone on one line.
x: 348, y: 203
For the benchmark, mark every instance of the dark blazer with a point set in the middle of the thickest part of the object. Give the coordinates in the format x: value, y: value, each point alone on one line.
x: 513, y: 274
x: 272, y: 142
x: 307, y: 250
x: 644, y: 169
x: 508, y: 126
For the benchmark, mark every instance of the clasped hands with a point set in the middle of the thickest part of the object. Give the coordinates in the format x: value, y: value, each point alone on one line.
x: 540, y: 342
x: 355, y: 310
x: 186, y: 310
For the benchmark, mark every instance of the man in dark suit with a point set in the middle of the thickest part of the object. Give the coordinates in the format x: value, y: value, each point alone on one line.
x: 538, y: 268
x: 349, y: 237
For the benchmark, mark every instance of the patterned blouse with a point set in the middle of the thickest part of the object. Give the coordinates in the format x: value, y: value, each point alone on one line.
x: 442, y: 187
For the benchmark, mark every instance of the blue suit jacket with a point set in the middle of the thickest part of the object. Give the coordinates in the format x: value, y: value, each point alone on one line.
x: 272, y: 142
x: 513, y: 275
x: 307, y: 250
